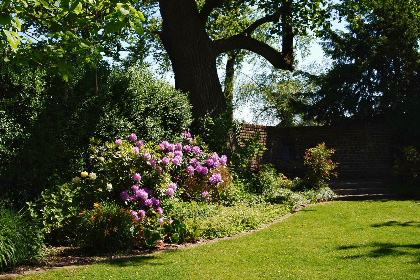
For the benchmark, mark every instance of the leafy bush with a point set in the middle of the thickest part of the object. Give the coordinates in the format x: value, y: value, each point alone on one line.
x: 20, y: 239
x: 107, y: 227
x: 319, y: 166
x: 268, y: 180
x: 407, y: 164
x: 155, y: 110
x: 43, y: 116
x: 137, y: 176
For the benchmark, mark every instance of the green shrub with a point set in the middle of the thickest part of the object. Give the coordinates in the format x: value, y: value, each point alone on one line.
x: 155, y: 110
x: 42, y: 116
x: 407, y: 164
x: 20, y: 239
x: 137, y: 176
x: 268, y: 180
x: 107, y: 227
x: 319, y: 166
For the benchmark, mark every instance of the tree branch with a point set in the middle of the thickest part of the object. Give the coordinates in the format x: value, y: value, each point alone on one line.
x: 208, y: 7
x: 278, y: 59
x: 270, y: 18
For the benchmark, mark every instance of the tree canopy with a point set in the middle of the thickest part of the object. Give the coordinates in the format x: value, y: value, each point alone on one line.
x: 61, y: 34
x: 376, y: 69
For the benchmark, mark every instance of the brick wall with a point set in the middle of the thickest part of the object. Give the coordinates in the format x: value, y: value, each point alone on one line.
x: 362, y: 150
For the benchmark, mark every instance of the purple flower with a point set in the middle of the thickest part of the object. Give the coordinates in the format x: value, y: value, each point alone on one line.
x: 215, y: 178
x: 171, y: 147
x: 134, y: 188
x: 170, y: 191
x: 159, y: 210
x: 124, y: 196
x: 205, y: 195
x: 159, y: 169
x: 178, y: 154
x: 132, y: 137
x: 135, y: 150
x: 155, y: 201
x: 210, y: 162
x: 215, y: 157
x: 187, y: 134
x: 196, y: 150
x: 133, y: 198
x: 161, y: 221
x: 165, y: 144
x: 190, y: 170
x: 148, y: 202
x: 139, y: 143
x: 137, y: 177
x: 118, y: 142
x: 223, y: 160
x: 173, y: 186
x: 198, y: 168
x: 152, y: 162
x: 178, y: 146
x: 162, y: 146
x: 216, y: 164
x: 165, y: 160
x: 142, y: 213
x: 147, y: 156
x: 142, y: 194
x: 204, y: 170
x: 194, y: 161
x: 148, y: 191
x: 176, y: 160
x: 187, y: 148
x: 134, y: 215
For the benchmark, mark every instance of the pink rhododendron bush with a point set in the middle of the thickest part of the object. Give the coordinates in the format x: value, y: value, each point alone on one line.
x: 126, y: 187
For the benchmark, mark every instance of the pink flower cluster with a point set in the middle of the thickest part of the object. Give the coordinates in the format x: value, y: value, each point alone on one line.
x: 177, y: 160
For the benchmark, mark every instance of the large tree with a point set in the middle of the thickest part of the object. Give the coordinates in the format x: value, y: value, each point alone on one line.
x: 195, y: 33
x: 376, y: 69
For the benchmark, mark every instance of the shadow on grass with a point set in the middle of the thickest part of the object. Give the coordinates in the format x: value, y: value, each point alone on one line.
x: 135, y: 261
x: 378, y: 250
x: 395, y: 223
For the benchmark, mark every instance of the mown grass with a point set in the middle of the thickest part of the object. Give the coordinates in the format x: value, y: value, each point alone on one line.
x: 339, y: 240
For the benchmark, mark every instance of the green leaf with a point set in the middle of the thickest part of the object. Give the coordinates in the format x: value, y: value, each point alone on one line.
x: 13, y: 38
x: 5, y: 19
x: 78, y: 9
x: 114, y: 27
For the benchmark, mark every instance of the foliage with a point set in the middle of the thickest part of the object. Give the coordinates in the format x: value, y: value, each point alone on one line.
x: 155, y: 109
x: 137, y: 176
x: 60, y: 35
x: 275, y: 97
x: 107, y: 227
x: 20, y: 238
x: 319, y: 166
x: 268, y: 180
x: 376, y: 69
x: 407, y: 164
x: 50, y: 117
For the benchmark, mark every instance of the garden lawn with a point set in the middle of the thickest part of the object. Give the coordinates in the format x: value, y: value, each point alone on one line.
x: 338, y: 240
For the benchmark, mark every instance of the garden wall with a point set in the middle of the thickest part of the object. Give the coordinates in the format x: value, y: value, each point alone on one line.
x: 362, y: 150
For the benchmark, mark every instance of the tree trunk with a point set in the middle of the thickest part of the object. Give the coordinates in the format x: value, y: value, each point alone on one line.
x: 193, y: 56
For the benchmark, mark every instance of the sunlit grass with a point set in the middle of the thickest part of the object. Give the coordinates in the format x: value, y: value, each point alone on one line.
x: 339, y: 240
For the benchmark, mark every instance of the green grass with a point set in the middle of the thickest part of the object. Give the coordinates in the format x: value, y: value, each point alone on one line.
x: 339, y: 240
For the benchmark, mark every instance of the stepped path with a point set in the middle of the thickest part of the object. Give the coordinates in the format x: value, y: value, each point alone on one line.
x: 360, y: 189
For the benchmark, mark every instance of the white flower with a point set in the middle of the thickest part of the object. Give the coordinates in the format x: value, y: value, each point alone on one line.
x: 109, y: 186
x: 101, y: 159
x: 92, y: 176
